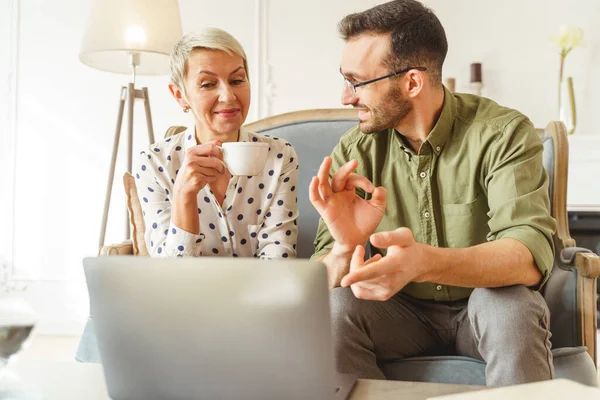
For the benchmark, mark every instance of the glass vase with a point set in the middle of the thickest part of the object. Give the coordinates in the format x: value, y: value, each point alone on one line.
x: 567, y: 112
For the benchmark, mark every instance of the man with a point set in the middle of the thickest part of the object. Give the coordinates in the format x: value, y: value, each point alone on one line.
x: 451, y: 193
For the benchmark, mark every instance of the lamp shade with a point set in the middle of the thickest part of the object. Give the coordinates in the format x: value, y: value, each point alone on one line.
x: 117, y: 28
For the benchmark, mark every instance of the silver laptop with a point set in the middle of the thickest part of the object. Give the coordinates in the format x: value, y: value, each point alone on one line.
x: 212, y: 328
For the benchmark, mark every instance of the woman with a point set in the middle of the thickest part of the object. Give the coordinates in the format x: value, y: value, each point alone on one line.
x: 192, y: 205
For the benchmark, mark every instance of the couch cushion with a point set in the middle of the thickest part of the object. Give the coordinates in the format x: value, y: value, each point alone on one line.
x: 570, y: 363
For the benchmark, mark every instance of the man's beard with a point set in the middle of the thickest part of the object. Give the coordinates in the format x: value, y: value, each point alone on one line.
x: 391, y: 111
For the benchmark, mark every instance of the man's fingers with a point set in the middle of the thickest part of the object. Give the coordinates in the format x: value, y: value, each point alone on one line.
x: 401, y: 237
x: 357, y: 181
x: 367, y: 272
x: 323, y: 175
x: 376, y: 257
x: 358, y: 258
x: 338, y: 182
x: 363, y: 291
x: 314, y: 195
x: 379, y: 198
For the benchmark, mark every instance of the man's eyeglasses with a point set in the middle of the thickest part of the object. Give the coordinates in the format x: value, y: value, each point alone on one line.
x: 353, y: 86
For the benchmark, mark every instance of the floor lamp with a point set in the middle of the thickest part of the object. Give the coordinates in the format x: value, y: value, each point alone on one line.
x: 129, y: 37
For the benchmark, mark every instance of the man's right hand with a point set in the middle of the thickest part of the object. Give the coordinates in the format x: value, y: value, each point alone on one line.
x: 349, y: 218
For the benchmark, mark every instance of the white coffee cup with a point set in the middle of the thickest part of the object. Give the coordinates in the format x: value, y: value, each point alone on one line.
x: 245, y: 158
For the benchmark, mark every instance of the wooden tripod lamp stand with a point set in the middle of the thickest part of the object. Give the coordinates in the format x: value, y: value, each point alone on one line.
x: 129, y: 37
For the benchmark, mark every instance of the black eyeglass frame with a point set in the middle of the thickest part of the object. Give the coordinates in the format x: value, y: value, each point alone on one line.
x: 354, y: 86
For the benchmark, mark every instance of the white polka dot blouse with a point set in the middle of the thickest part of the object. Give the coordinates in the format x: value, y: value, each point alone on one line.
x: 258, y: 216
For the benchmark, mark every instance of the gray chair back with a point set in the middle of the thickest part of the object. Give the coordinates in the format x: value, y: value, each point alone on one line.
x: 314, y: 134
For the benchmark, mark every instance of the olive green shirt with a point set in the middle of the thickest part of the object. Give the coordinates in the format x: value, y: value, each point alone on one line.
x: 478, y: 177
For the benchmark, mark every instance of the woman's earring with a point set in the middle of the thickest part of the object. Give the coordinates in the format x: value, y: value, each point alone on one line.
x: 186, y: 109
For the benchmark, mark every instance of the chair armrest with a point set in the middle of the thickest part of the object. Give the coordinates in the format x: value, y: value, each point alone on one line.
x: 120, y: 249
x: 587, y: 265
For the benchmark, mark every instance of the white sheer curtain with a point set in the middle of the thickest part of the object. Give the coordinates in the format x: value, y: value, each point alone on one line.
x: 62, y: 140
x: 8, y: 55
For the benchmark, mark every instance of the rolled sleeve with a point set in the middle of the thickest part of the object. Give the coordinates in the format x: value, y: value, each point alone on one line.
x: 538, y: 245
x: 517, y: 186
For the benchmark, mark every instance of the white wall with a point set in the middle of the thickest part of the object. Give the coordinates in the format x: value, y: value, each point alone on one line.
x: 67, y: 111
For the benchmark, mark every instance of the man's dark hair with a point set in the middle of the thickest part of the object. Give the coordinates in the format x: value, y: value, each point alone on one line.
x: 418, y: 38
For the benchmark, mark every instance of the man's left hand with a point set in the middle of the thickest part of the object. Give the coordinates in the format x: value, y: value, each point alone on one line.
x: 380, y: 278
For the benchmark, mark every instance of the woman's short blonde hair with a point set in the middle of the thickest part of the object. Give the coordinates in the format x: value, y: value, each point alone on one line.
x: 208, y: 38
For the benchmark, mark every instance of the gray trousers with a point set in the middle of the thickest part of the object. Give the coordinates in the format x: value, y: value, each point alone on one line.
x: 507, y: 327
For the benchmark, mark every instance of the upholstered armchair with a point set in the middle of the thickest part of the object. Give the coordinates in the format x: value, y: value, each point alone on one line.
x: 570, y: 292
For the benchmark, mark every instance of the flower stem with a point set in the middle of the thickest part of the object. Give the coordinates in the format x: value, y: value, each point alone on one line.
x: 560, y: 77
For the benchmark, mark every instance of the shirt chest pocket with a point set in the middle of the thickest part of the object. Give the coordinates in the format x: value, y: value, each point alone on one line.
x: 465, y: 224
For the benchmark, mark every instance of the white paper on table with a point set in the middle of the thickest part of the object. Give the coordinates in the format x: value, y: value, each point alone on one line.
x: 558, y: 389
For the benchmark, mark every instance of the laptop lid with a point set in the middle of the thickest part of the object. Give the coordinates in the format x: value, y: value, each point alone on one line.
x: 212, y: 327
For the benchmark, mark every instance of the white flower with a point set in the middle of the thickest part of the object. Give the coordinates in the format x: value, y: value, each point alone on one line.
x: 569, y: 38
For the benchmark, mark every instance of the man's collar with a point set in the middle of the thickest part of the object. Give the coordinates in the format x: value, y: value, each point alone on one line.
x: 441, y: 131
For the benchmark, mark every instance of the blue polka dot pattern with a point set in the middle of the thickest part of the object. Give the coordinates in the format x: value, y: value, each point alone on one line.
x: 261, y: 207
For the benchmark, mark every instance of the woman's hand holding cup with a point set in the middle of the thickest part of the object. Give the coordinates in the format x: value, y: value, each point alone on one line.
x: 202, y: 165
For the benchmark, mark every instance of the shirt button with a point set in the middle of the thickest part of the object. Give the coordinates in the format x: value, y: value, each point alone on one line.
x: 438, y: 148
x: 438, y: 287
x: 423, y: 174
x: 426, y: 214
